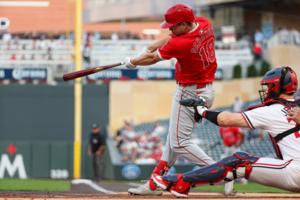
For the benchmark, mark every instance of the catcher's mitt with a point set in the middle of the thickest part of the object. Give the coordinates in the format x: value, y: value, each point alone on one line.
x: 194, y: 103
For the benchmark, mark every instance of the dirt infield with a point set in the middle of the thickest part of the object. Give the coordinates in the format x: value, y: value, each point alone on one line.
x: 111, y: 190
x: 125, y: 196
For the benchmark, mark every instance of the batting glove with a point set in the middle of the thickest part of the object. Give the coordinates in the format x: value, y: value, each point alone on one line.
x: 128, y: 63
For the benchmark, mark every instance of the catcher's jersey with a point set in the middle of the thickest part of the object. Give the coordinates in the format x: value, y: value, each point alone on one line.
x: 195, y: 54
x: 273, y: 119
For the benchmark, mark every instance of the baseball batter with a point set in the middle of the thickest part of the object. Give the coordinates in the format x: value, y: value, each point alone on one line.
x: 278, y: 85
x: 192, y: 43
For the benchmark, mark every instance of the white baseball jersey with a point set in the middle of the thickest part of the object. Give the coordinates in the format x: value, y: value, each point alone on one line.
x: 282, y: 173
x: 273, y: 119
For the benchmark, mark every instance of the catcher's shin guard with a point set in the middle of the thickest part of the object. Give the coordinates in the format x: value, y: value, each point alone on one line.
x: 160, y: 169
x: 218, y: 171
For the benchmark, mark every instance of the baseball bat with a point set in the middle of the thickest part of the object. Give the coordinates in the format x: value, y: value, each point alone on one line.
x: 88, y: 71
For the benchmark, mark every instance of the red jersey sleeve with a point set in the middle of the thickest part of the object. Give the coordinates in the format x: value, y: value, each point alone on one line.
x: 170, y: 50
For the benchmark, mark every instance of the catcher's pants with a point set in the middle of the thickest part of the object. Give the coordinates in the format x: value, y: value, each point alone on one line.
x: 181, y: 125
x: 284, y: 174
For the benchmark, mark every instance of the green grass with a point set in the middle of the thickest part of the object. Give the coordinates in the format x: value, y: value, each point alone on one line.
x: 250, y: 187
x: 34, y: 185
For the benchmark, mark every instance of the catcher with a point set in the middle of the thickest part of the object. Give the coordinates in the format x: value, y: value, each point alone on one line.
x: 278, y: 87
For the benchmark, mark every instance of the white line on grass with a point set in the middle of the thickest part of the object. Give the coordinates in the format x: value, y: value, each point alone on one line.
x: 92, y: 185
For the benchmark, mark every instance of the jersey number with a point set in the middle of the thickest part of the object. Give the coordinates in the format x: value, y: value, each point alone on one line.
x: 207, y: 53
x: 297, y: 134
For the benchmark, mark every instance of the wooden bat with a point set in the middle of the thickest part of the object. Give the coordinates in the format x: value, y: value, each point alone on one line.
x: 88, y: 71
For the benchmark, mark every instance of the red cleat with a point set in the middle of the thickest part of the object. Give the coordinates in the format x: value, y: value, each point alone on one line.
x: 160, y: 182
x: 173, y: 183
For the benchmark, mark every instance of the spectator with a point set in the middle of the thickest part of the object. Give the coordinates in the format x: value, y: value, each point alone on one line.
x: 87, y: 54
x: 114, y: 37
x: 258, y: 37
x: 232, y: 138
x: 158, y: 130
x: 295, y: 35
x: 284, y: 36
x: 96, y: 151
x: 6, y: 36
x: 237, y: 105
x: 128, y: 130
x: 254, y: 135
x: 97, y: 36
x: 13, y: 57
x: 257, y: 52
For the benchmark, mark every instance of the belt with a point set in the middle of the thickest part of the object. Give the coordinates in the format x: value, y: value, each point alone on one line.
x: 198, y: 85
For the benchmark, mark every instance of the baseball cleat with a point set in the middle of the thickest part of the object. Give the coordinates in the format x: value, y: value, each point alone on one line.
x: 179, y: 194
x: 174, y: 184
x: 160, y: 182
x: 144, y: 189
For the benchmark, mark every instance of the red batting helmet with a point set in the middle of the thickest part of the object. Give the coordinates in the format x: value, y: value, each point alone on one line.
x: 281, y: 80
x: 176, y: 14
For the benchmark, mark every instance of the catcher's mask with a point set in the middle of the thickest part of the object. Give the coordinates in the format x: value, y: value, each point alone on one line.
x: 281, y: 80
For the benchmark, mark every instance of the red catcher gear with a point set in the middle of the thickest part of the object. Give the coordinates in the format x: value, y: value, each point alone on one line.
x: 281, y: 80
x: 180, y: 184
x: 176, y: 14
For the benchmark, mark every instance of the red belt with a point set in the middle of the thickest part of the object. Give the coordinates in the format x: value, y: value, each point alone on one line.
x: 198, y: 85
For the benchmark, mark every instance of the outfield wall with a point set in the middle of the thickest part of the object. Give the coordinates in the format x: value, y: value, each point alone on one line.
x: 36, y: 128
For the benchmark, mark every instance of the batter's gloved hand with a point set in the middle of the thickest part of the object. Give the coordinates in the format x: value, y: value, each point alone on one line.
x: 128, y: 63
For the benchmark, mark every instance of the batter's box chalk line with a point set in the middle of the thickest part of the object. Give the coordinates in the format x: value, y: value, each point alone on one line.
x: 92, y: 185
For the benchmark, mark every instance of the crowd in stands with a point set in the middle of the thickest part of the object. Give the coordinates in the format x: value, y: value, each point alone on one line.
x: 6, y: 36
x: 144, y: 145
x: 54, y: 51
x: 140, y: 147
x: 31, y: 46
x: 285, y: 36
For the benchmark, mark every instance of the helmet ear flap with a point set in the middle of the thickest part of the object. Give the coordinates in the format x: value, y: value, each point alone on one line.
x: 288, y: 83
x: 284, y: 72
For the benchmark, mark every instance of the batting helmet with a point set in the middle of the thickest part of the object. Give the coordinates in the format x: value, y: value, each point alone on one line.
x: 176, y: 14
x: 281, y: 80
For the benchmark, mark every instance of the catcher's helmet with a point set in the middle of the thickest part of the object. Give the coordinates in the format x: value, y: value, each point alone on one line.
x: 176, y: 14
x: 281, y: 80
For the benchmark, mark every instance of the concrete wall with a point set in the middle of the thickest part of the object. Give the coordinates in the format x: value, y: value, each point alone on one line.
x: 151, y: 100
x: 285, y: 55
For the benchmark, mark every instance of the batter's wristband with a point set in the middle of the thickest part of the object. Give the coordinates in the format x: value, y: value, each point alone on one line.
x: 211, y: 116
